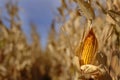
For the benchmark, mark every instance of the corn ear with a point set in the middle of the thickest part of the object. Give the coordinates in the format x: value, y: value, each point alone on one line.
x: 88, y: 50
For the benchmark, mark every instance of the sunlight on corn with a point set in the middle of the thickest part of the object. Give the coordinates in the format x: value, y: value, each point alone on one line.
x: 89, y: 47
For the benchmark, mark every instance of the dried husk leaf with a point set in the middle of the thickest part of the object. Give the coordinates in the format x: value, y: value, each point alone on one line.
x: 87, y: 10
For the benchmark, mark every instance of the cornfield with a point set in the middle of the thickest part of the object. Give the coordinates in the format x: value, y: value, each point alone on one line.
x: 86, y: 47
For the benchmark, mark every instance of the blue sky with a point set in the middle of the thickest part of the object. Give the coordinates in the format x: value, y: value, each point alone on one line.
x: 38, y: 12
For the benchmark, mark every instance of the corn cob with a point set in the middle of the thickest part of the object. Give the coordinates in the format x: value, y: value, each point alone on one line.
x: 88, y: 49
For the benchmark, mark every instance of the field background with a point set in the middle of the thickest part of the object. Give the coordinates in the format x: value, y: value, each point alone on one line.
x: 38, y: 38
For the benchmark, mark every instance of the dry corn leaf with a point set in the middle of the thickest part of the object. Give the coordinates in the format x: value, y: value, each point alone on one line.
x: 115, y: 16
x: 87, y: 10
x: 92, y: 72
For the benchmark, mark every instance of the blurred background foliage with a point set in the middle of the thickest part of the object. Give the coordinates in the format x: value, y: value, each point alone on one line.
x: 21, y: 60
